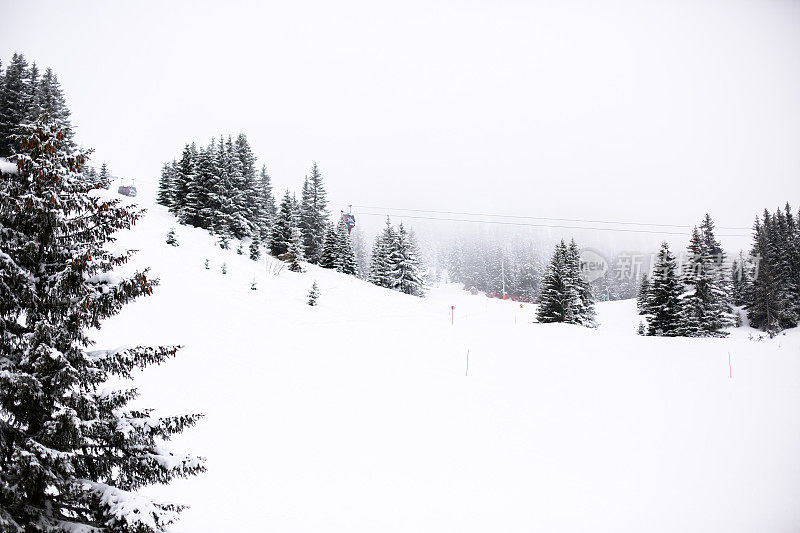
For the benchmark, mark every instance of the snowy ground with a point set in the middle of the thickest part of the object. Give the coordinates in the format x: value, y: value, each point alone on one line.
x: 357, y: 415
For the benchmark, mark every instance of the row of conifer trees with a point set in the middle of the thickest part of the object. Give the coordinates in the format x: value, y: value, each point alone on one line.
x: 698, y: 298
x: 217, y: 188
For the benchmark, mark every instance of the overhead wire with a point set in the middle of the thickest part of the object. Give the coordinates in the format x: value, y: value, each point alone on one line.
x: 578, y: 220
x: 538, y: 225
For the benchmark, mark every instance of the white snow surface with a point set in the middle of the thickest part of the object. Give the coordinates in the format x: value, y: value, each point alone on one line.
x: 356, y: 415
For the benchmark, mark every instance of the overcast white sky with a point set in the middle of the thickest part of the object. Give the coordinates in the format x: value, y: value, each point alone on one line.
x: 638, y: 111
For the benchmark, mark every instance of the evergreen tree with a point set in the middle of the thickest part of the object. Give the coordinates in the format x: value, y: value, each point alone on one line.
x: 171, y: 240
x: 313, y: 294
x: 314, y: 215
x: 330, y: 250
x: 50, y: 100
x: 182, y: 192
x: 255, y: 249
x: 642, y: 298
x: 15, y: 104
x: 383, y: 263
x: 72, y: 454
x: 282, y: 227
x: 267, y: 211
x: 664, y: 296
x: 345, y: 257
x: 406, y: 265
x: 583, y: 306
x: 165, y: 185
x: 295, y: 250
x: 556, y: 293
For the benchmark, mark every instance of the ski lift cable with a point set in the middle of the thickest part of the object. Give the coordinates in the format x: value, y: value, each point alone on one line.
x: 579, y: 220
x: 531, y: 224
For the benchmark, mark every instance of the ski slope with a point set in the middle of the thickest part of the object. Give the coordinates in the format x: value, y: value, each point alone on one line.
x: 358, y: 415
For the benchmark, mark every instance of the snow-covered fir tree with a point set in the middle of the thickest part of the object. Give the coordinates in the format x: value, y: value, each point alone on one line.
x: 16, y: 104
x: 314, y: 215
x: 282, y: 227
x: 313, y: 294
x: 73, y: 456
x: 381, y: 270
x: 255, y: 249
x: 406, y: 269
x: 345, y: 260
x: 171, y: 240
x: 664, y: 302
x: 642, y: 298
x: 295, y: 250
x: 330, y: 248
x: 565, y: 296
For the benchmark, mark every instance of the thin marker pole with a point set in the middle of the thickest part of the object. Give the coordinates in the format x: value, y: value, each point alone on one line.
x: 730, y: 369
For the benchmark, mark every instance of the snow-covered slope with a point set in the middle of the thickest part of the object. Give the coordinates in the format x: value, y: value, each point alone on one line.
x: 358, y: 415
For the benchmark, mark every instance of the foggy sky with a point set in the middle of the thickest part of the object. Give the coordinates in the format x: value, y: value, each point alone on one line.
x: 636, y: 111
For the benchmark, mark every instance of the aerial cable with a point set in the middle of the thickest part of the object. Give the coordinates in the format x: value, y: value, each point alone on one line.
x: 578, y: 220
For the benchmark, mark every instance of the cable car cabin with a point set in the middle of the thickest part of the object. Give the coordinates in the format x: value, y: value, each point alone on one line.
x: 349, y: 221
x: 127, y: 191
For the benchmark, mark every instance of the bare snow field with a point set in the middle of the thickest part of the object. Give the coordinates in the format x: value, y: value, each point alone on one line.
x: 356, y: 415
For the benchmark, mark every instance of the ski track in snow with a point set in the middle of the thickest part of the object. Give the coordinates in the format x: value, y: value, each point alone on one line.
x: 356, y: 415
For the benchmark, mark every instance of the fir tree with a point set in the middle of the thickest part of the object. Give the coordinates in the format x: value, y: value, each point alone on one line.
x: 282, y: 227
x: 165, y: 185
x: 267, y: 210
x: 345, y: 259
x: 314, y: 215
x: 255, y: 249
x: 72, y: 455
x: 556, y: 293
x: 405, y: 265
x: 295, y: 251
x: 382, y: 264
x: 643, y: 296
x: 171, y: 240
x: 15, y: 105
x: 664, y: 296
x: 50, y: 101
x: 583, y: 306
x: 313, y: 294
x: 330, y: 249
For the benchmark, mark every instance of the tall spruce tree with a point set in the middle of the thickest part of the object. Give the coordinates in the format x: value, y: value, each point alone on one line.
x: 314, y: 215
x: 642, y: 298
x: 405, y: 267
x: 345, y: 257
x: 282, y: 227
x: 15, y: 104
x: 73, y: 457
x: 664, y: 296
x: 381, y: 271
x: 556, y: 293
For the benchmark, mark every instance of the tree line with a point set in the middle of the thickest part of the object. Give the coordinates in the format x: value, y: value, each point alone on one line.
x: 699, y: 297
x: 217, y: 188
